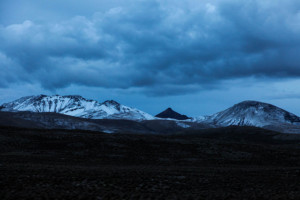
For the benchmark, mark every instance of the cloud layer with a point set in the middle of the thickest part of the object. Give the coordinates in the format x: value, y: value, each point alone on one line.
x: 159, y: 47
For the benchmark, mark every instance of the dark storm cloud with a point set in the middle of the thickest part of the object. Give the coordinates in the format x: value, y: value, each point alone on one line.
x: 160, y: 47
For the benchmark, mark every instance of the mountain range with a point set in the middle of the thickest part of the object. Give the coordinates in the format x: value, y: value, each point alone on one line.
x: 76, y: 106
x: 91, y: 115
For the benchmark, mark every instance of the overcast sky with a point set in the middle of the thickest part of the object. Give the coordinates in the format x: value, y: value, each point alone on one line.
x: 198, y: 57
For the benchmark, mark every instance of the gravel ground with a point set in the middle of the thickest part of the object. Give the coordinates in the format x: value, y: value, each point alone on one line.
x: 57, y: 164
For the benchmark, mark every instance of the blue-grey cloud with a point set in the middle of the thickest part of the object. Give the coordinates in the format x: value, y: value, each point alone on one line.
x: 160, y: 47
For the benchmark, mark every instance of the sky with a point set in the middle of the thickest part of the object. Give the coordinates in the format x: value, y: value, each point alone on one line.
x: 198, y: 57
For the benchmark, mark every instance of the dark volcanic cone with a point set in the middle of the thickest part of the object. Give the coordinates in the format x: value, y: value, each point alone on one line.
x: 169, y: 113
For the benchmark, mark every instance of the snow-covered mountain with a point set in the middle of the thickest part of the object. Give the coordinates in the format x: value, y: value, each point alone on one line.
x: 76, y: 106
x: 253, y: 113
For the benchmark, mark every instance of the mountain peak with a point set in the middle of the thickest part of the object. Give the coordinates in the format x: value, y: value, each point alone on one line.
x: 170, y: 113
x: 253, y: 103
x: 249, y: 102
x: 169, y: 109
x: 71, y: 96
x: 75, y: 105
x: 253, y: 113
x: 112, y: 102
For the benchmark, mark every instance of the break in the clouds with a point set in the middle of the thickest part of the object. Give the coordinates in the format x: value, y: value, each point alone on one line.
x: 157, y: 47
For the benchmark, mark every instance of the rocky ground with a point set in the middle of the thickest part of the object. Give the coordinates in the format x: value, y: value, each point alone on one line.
x: 228, y: 163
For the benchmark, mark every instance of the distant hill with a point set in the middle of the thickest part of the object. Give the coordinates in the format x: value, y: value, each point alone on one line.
x: 171, y: 114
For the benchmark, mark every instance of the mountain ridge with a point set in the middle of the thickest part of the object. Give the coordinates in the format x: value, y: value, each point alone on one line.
x: 75, y: 105
x: 246, y: 113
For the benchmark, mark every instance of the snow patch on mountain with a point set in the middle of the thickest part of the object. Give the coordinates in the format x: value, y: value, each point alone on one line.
x: 253, y: 113
x: 76, y: 106
x: 183, y: 125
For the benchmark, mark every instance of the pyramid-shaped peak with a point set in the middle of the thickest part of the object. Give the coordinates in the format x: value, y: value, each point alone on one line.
x: 171, y: 114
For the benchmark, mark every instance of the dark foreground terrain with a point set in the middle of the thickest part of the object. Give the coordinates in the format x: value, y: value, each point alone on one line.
x: 227, y: 163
